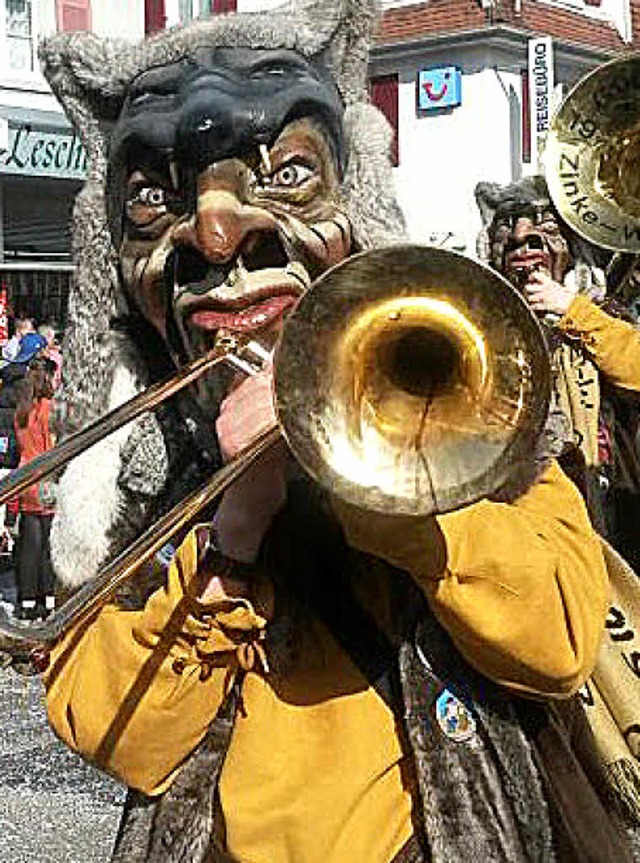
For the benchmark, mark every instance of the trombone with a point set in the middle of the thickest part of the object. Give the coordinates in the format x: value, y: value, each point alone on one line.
x: 428, y: 389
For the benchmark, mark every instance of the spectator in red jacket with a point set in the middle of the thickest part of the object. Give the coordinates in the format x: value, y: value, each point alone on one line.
x: 34, y: 572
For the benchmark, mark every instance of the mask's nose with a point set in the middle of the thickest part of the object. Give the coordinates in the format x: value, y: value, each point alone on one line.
x: 224, y: 219
x: 523, y: 229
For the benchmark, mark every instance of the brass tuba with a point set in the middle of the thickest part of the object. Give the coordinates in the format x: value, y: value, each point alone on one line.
x: 592, y: 156
x: 408, y: 380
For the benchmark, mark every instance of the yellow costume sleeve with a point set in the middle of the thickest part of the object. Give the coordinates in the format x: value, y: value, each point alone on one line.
x: 521, y: 588
x: 613, y: 345
x: 118, y: 690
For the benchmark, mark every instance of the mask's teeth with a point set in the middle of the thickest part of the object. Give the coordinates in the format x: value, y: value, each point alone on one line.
x: 239, y: 273
x: 265, y: 159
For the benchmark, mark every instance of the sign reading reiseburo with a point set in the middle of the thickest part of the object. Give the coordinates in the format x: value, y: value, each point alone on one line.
x: 541, y: 85
x: 38, y: 153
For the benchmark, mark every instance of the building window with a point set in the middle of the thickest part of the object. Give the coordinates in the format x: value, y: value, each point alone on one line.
x: 384, y: 95
x: 155, y: 16
x: 73, y: 15
x: 217, y: 7
x: 190, y: 9
x: 19, y: 32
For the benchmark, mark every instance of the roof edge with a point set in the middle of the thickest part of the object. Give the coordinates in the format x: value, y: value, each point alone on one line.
x: 509, y: 39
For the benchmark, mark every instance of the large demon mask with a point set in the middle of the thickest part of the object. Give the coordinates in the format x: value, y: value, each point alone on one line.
x: 230, y: 162
x: 228, y: 166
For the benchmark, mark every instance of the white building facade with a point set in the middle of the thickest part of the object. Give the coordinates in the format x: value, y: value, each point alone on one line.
x: 444, y: 152
x: 477, y: 48
x: 42, y: 161
x: 489, y: 134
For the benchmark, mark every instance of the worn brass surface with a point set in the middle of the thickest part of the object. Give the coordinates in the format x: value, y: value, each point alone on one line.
x: 412, y: 380
x: 592, y: 156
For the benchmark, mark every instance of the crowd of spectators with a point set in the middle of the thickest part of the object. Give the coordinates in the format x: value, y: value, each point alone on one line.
x: 30, y: 371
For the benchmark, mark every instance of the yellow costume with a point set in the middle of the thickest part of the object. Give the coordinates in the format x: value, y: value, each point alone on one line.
x: 521, y: 588
x: 613, y: 344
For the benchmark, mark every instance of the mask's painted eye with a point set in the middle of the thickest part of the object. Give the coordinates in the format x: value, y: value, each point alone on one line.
x: 289, y: 176
x: 150, y: 196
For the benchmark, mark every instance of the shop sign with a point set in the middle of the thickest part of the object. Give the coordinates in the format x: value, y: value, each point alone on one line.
x: 439, y: 88
x: 541, y: 84
x: 39, y: 153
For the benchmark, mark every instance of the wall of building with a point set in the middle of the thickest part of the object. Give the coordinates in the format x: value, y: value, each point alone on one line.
x: 445, y: 153
x: 42, y: 162
x: 118, y: 18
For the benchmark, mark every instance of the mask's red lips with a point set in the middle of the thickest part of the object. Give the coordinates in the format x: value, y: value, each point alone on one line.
x: 255, y: 317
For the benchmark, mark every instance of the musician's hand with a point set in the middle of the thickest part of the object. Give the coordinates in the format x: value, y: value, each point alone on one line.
x: 248, y: 506
x: 246, y: 412
x: 546, y: 295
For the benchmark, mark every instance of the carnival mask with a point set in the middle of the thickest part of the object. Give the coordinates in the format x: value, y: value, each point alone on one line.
x: 230, y: 166
x: 527, y: 237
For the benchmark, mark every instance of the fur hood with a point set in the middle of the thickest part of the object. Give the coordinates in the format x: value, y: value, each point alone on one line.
x: 108, y: 495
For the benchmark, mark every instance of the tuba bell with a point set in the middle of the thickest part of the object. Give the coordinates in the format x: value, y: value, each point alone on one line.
x: 408, y: 380
x: 592, y: 156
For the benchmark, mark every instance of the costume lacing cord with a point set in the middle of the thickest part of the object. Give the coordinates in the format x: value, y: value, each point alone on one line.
x: 228, y: 623
x: 232, y: 627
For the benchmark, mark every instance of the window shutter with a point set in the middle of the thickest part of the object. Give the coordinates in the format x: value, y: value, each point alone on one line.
x: 155, y: 17
x: 384, y: 95
x: 222, y: 6
x: 73, y: 15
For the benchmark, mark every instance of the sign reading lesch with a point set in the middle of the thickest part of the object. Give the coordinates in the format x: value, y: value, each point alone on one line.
x: 541, y: 83
x: 37, y: 153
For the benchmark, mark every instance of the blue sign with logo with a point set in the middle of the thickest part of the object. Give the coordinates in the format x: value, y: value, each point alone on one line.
x: 439, y: 88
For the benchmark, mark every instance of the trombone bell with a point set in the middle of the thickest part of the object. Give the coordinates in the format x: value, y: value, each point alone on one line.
x: 411, y: 380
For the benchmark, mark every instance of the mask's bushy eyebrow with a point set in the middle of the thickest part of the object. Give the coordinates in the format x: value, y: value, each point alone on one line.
x: 277, y: 66
x: 158, y: 81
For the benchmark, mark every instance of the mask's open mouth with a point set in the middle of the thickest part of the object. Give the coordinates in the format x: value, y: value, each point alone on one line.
x: 250, y: 295
x: 192, y: 272
x: 530, y: 255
